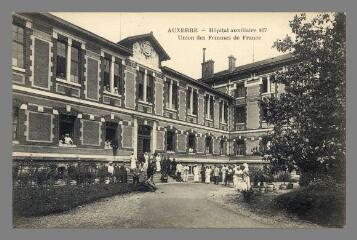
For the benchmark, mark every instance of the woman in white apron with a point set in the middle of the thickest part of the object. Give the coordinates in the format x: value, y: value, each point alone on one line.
x: 196, y: 174
x: 158, y: 163
x: 246, y: 177
x: 208, y: 175
x: 241, y: 185
x: 235, y: 176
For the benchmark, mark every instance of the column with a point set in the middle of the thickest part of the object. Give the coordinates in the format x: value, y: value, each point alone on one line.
x: 69, y: 53
x: 191, y: 101
x: 222, y: 111
x: 209, y: 107
x: 145, y: 84
x: 154, y: 137
x: 170, y: 94
x: 112, y: 74
x: 135, y: 136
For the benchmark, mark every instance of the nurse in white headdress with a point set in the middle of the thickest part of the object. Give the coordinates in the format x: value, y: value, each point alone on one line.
x: 246, y: 177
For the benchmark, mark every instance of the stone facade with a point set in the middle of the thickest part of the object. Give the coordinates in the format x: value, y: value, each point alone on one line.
x: 150, y: 111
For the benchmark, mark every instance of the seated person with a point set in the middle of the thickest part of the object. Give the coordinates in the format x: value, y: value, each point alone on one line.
x: 68, y: 140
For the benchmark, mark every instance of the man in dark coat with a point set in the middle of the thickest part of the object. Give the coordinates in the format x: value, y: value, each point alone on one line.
x: 203, y: 173
x: 173, y: 168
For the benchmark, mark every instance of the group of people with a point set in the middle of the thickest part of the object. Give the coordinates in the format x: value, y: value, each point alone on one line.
x: 237, y: 175
x: 150, y: 164
x: 145, y: 168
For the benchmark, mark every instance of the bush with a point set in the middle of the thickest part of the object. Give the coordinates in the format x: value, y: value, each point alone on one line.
x: 283, y: 177
x: 248, y: 195
x: 318, y: 202
x: 40, y: 200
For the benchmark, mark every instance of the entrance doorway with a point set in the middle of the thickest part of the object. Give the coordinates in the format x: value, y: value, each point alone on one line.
x: 144, y: 141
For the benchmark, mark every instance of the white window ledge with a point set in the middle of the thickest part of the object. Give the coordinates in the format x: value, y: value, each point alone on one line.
x: 209, y: 119
x: 192, y: 115
x: 171, y: 109
x: 238, y: 98
x: 67, y: 145
x: 18, y: 69
x: 112, y: 94
x: 15, y: 142
x: 145, y: 102
x: 68, y: 82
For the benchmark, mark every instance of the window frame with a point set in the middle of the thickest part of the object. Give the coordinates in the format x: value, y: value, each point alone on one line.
x: 106, y: 74
x: 63, y: 59
x: 18, y: 43
x: 238, y: 143
x: 77, y: 62
x: 173, y: 138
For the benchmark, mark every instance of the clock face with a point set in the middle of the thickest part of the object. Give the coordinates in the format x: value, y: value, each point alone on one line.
x: 147, y: 48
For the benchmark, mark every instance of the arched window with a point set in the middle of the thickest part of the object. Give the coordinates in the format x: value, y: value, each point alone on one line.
x: 191, y: 143
x: 240, y: 147
x: 209, y: 145
x: 170, y: 141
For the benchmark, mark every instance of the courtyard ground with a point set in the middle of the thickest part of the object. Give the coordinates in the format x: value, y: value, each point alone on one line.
x: 176, y: 205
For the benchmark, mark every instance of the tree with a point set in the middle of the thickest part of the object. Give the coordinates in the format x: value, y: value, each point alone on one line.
x: 309, y: 117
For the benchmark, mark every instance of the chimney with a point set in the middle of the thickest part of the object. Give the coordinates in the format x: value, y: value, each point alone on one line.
x: 231, y: 63
x: 207, y: 67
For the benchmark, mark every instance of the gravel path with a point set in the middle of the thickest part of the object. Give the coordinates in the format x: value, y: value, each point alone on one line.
x: 171, y: 206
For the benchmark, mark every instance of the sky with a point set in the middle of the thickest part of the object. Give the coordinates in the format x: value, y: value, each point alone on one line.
x: 186, y: 55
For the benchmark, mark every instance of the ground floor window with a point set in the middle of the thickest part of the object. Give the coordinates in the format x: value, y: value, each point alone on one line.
x: 111, y: 138
x: 240, y: 147
x: 191, y: 143
x: 15, y: 123
x: 66, y: 130
x: 209, y: 145
x: 170, y: 141
x: 222, y: 147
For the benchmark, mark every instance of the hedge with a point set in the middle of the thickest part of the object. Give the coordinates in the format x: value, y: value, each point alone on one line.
x: 41, y: 200
x: 325, y: 206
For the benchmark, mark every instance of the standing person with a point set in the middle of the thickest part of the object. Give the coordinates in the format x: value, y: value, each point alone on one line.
x: 203, y: 173
x: 173, y: 168
x: 240, y: 185
x: 235, y: 176
x: 143, y: 174
x: 158, y: 162
x: 185, y: 173
x: 179, y: 169
x: 229, y: 176
x: 124, y: 174
x: 224, y: 174
x: 208, y: 175
x: 132, y: 161
x: 146, y: 158
x: 196, y: 174
x: 136, y: 174
x: 246, y: 177
x: 216, y: 174
x: 151, y: 170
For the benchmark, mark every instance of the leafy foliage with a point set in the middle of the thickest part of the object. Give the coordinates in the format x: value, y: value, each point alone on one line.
x: 309, y: 117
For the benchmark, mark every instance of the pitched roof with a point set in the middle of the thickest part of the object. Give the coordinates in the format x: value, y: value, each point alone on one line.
x: 74, y: 27
x: 127, y: 42
x: 252, y: 66
x: 194, y: 82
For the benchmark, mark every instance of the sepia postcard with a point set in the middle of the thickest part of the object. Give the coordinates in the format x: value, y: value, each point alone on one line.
x: 179, y: 120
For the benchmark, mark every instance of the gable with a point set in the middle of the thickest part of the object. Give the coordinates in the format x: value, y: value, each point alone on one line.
x: 145, y: 54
